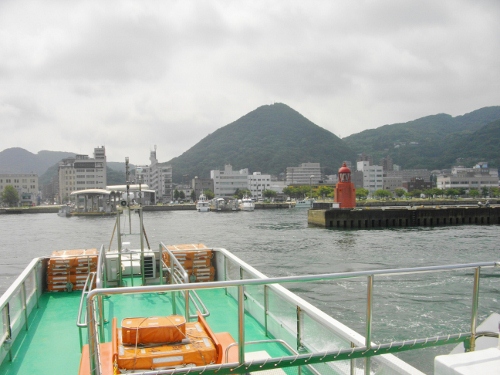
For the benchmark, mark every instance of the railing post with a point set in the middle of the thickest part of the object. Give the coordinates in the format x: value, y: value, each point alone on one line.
x: 161, y: 263
x: 241, y: 324
x: 25, y: 305
x: 368, y: 334
x: 299, y: 328
x: 37, y: 285
x: 174, y: 303
x: 475, y: 302
x: 9, y: 328
x: 266, y: 308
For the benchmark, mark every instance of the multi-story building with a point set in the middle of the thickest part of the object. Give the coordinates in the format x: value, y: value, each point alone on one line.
x: 82, y: 172
x: 478, y: 177
x: 387, y: 163
x: 226, y: 182
x: 158, y: 177
x: 373, y: 176
x: 304, y: 174
x: 199, y: 185
x: 407, y: 174
x: 257, y: 183
x: 26, y: 185
x: 392, y: 183
x: 417, y: 183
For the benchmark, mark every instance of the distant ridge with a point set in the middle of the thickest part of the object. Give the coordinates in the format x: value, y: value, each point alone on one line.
x: 267, y: 140
x: 432, y: 142
x: 19, y: 160
x: 273, y: 137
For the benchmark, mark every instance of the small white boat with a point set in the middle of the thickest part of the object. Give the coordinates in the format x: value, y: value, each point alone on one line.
x: 304, y: 203
x: 202, y: 205
x: 64, y: 211
x: 247, y: 204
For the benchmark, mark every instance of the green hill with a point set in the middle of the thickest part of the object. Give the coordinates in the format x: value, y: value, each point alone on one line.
x: 19, y: 160
x: 432, y: 142
x: 268, y: 140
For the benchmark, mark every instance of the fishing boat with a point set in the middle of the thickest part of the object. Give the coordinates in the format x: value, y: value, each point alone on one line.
x: 131, y: 307
x: 224, y: 205
x: 65, y: 211
x: 304, y: 203
x: 247, y: 204
x: 203, y: 204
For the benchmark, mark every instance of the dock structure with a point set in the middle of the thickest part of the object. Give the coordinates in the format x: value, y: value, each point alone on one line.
x: 395, y: 217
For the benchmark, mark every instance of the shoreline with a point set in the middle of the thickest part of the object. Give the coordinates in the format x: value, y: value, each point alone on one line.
x: 176, y: 207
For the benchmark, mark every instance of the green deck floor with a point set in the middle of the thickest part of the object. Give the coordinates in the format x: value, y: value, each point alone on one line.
x: 52, y: 343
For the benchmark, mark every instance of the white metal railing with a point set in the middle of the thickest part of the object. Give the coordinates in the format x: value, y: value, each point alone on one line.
x: 16, y: 305
x: 179, y: 275
x: 362, y: 348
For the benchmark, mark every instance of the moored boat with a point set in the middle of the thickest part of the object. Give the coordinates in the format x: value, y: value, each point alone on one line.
x: 247, y: 204
x: 203, y: 204
x: 224, y: 205
x: 304, y: 203
x: 65, y: 211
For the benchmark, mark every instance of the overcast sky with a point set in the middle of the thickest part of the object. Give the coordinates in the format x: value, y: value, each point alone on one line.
x: 129, y: 75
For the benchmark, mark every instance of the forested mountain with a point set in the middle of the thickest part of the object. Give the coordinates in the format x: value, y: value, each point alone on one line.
x: 267, y: 140
x: 273, y: 137
x: 432, y: 142
x: 19, y: 160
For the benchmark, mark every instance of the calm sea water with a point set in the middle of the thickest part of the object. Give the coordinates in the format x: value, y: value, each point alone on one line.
x: 280, y: 243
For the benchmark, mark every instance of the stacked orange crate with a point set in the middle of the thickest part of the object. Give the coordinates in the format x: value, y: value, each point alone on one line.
x: 196, y: 260
x: 68, y: 269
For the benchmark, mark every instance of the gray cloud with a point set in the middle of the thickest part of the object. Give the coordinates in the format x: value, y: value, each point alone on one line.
x: 132, y: 74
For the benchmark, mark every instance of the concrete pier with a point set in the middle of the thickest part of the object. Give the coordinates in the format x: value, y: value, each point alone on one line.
x: 389, y: 217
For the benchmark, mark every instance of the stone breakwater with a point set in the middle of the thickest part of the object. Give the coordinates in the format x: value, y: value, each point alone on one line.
x: 391, y: 217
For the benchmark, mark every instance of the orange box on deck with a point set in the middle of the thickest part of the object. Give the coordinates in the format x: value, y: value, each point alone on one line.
x: 200, y: 351
x: 153, y: 330
x: 73, y: 258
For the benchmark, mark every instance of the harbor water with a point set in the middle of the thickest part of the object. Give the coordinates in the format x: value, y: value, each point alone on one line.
x: 280, y: 243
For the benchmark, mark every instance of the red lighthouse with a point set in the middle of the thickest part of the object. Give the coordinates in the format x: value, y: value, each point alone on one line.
x: 345, y: 192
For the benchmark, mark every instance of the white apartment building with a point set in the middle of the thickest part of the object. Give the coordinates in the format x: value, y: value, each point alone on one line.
x: 478, y: 177
x: 304, y: 174
x: 157, y: 177
x: 227, y: 181
x: 82, y: 172
x: 373, y: 176
x: 257, y: 183
x: 26, y: 185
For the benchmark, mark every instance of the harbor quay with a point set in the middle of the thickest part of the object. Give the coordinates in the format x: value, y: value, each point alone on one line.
x: 173, y: 207
x: 395, y: 217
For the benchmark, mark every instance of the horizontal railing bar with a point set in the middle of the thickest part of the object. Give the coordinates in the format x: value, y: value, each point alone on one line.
x: 319, y: 357
x: 290, y: 279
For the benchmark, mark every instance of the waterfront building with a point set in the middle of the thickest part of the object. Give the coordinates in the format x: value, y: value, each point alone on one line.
x: 26, y: 185
x: 373, y: 176
x: 392, y: 183
x: 407, y: 174
x: 258, y: 182
x: 363, y: 157
x: 158, y: 177
x: 82, y: 172
x: 199, y: 185
x: 387, y: 163
x: 417, y: 183
x: 304, y: 174
x: 226, y: 182
x: 478, y: 177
